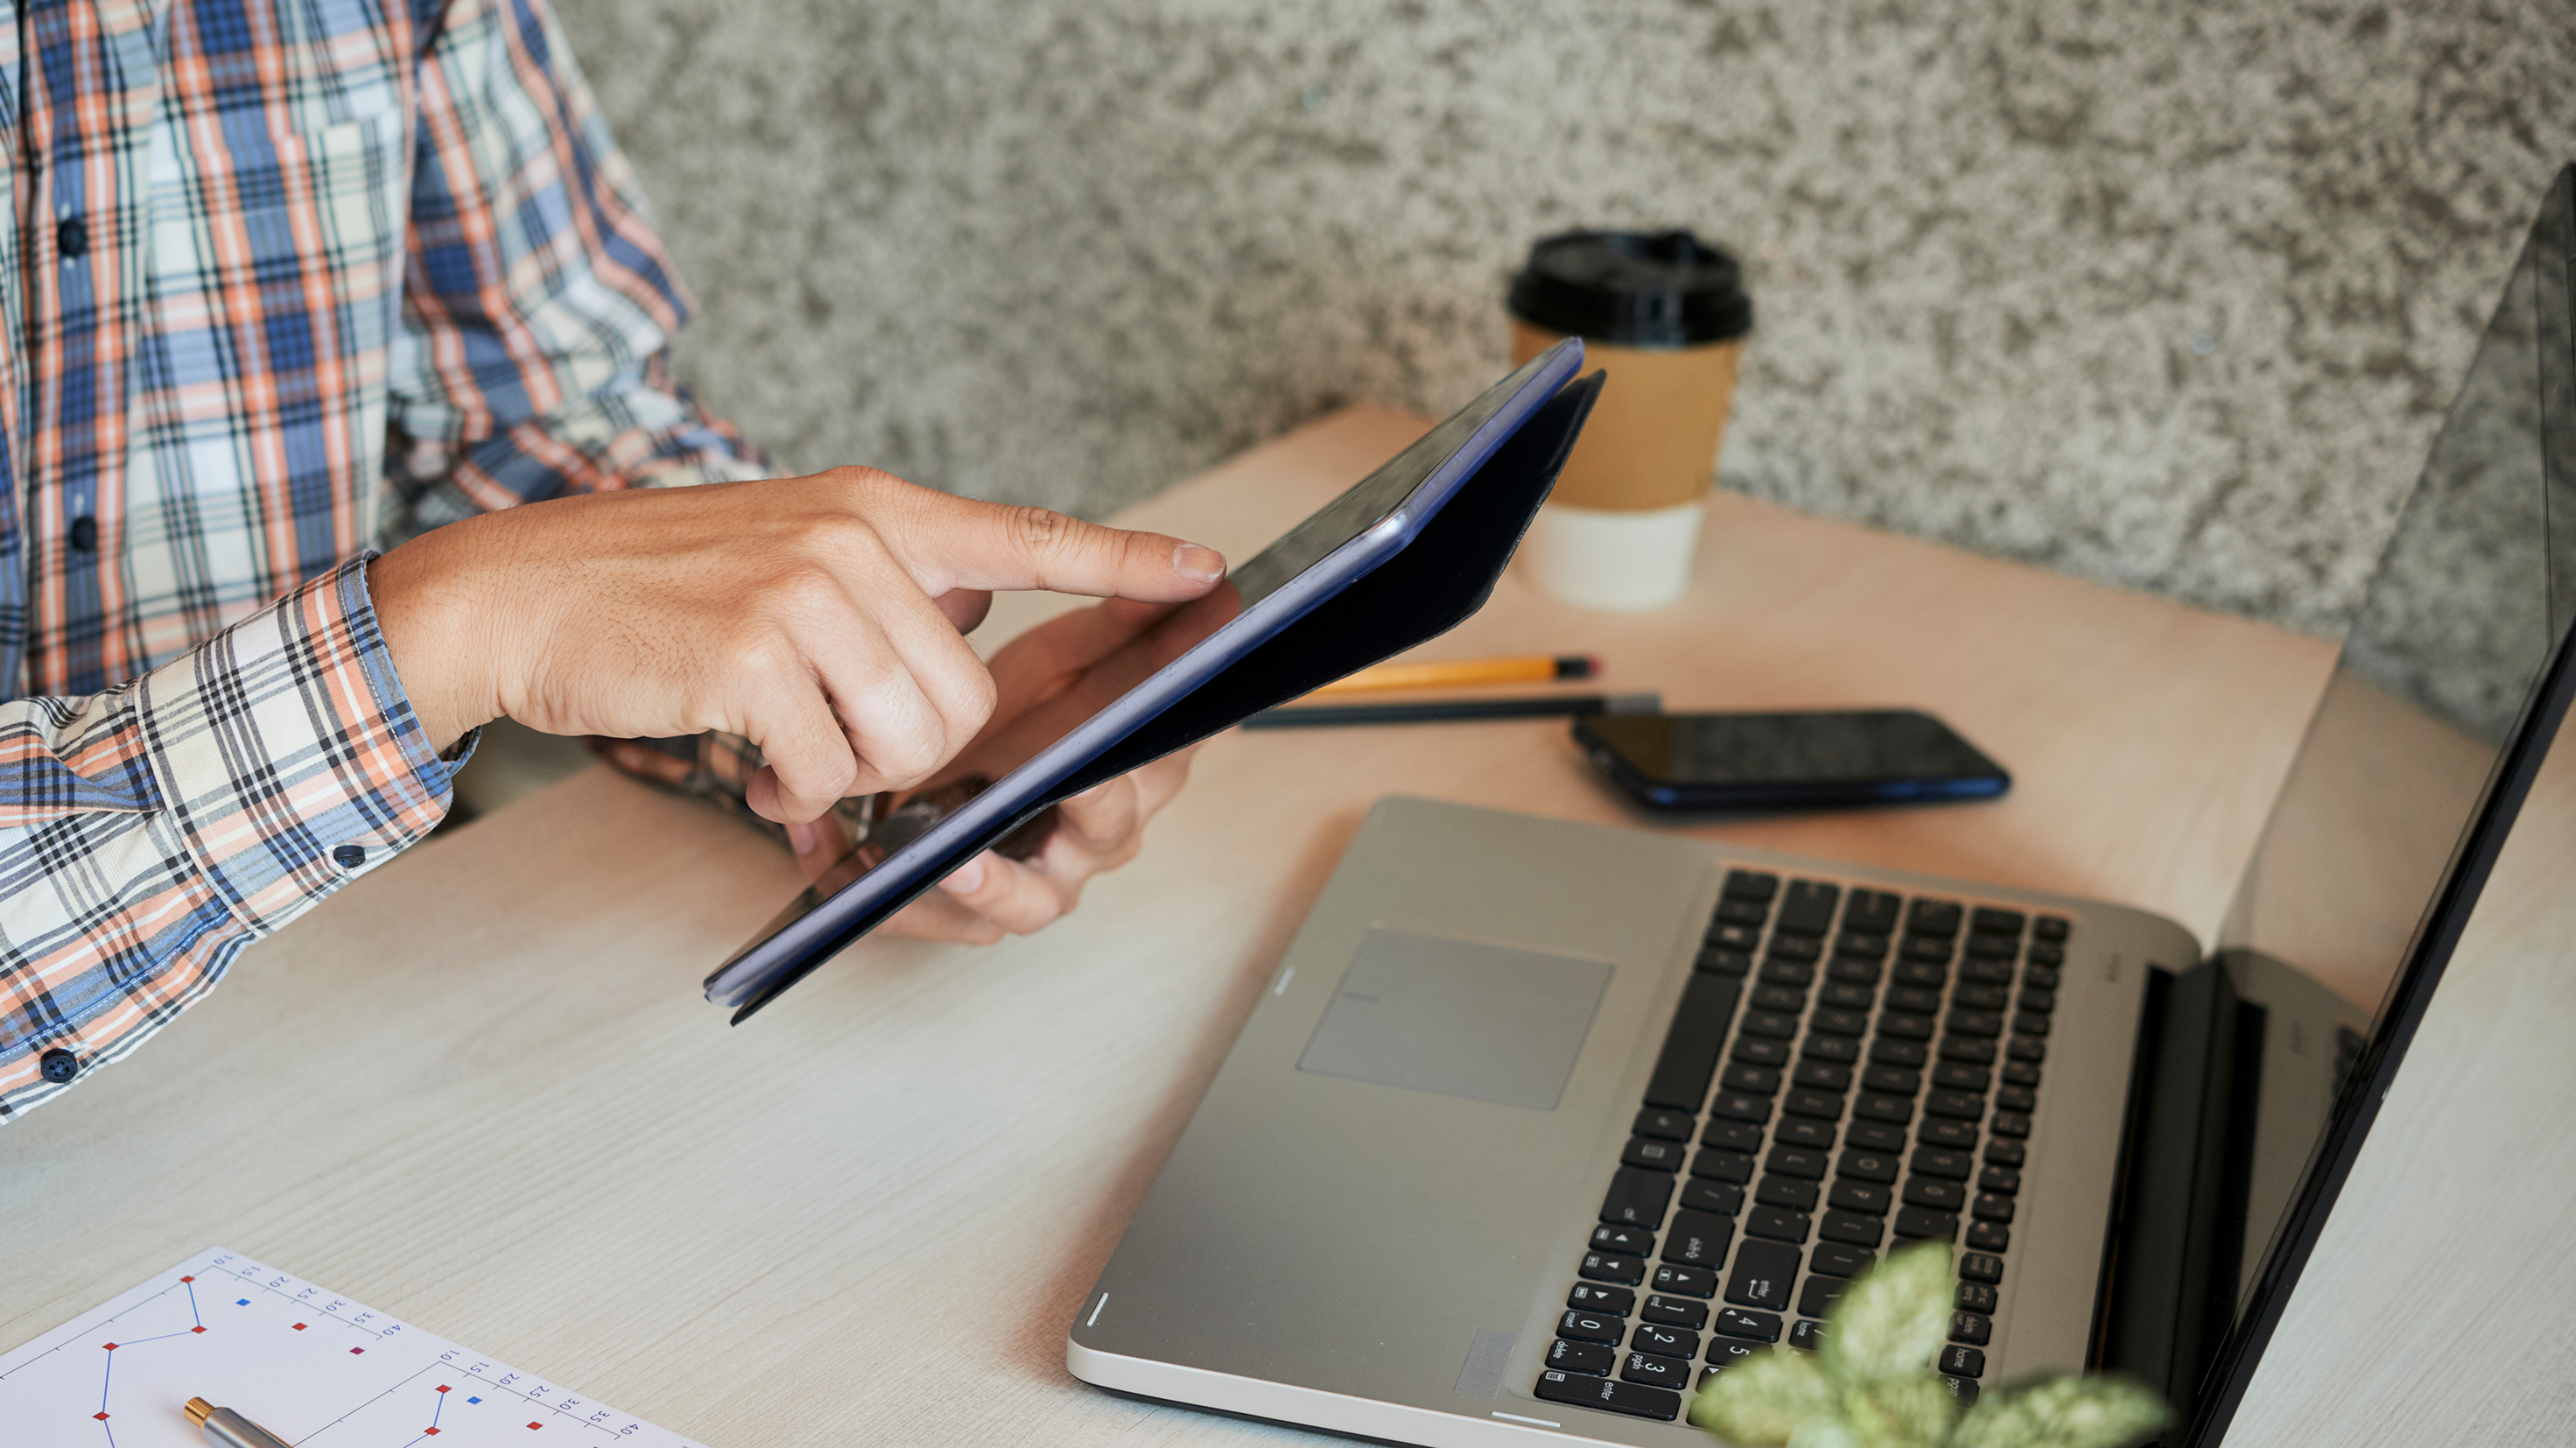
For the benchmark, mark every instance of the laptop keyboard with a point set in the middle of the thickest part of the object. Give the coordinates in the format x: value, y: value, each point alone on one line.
x: 1848, y: 1071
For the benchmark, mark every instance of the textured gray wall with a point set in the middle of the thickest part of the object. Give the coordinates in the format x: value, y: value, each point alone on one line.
x: 2164, y: 293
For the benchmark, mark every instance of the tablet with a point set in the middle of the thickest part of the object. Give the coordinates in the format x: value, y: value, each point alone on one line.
x: 1406, y: 553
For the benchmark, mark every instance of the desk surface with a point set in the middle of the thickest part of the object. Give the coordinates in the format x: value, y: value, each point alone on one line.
x: 478, y: 1089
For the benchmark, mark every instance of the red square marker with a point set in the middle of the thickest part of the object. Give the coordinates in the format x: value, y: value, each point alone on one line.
x: 102, y: 1417
x: 442, y: 1387
x: 536, y: 1425
x: 196, y: 1329
x: 111, y: 1347
x: 299, y: 1327
x: 353, y: 1352
x: 433, y: 1432
x: 187, y: 1279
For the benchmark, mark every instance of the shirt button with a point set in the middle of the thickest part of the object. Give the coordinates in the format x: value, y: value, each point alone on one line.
x: 85, y: 534
x: 72, y: 237
x: 349, y: 857
x: 58, y: 1065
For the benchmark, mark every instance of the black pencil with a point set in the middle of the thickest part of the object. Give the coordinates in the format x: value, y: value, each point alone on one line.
x: 1443, y: 711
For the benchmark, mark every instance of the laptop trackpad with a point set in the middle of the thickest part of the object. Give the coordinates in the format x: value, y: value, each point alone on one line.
x: 1459, y: 1018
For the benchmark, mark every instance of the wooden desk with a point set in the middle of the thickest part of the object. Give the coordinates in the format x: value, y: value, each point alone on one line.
x: 478, y: 1089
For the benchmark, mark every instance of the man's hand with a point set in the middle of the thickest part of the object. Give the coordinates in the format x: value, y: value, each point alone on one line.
x: 819, y: 617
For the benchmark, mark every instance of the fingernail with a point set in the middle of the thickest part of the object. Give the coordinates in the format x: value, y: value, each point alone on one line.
x: 967, y: 878
x: 1197, y: 564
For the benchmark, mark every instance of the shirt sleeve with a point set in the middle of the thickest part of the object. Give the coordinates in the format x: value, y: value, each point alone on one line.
x: 538, y: 306
x: 148, y: 833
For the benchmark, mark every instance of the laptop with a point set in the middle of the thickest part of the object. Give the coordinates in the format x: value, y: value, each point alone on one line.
x: 1540, y: 1124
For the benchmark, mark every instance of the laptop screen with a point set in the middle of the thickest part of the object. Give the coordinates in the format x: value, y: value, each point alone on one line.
x: 2430, y: 728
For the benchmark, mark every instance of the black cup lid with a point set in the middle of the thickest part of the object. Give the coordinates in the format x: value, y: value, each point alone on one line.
x: 1633, y: 289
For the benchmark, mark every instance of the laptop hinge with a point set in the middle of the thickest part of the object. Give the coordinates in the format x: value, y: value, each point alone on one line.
x: 2178, y: 1238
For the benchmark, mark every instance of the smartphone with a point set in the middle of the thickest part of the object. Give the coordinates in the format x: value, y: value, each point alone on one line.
x: 1772, y: 761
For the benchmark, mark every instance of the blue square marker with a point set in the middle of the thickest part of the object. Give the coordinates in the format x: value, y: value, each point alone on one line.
x: 241, y: 1302
x: 473, y: 1400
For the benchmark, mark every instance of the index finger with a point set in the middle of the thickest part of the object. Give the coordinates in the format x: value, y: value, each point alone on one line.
x: 950, y: 542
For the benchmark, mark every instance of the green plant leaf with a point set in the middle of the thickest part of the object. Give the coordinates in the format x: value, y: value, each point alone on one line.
x: 1891, y: 1320
x: 1824, y: 1433
x: 1916, y: 1410
x: 1764, y: 1400
x: 2067, y: 1412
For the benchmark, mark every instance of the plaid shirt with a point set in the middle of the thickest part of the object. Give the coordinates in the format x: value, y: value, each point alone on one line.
x: 285, y: 281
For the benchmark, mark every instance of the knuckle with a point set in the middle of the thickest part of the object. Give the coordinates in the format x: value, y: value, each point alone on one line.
x: 1039, y: 530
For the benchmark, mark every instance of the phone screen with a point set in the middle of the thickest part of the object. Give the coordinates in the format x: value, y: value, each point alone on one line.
x: 1718, y: 760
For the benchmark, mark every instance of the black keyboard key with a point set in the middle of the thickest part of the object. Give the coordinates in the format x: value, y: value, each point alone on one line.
x: 1791, y: 974
x: 1796, y: 947
x: 1612, y: 1267
x: 1986, y: 972
x: 1722, y: 936
x: 1987, y: 920
x: 1896, y: 1110
x: 2050, y: 927
x: 1806, y: 1131
x: 1676, y: 1311
x: 1933, y: 917
x: 1598, y: 1300
x: 1852, y: 1228
x: 1975, y: 1297
x: 2027, y: 1048
x: 1627, y: 1240
x: 1921, y: 974
x: 1699, y: 1194
x: 1939, y: 1192
x: 1833, y: 1022
x: 1763, y: 1275
x: 1963, y: 1391
x: 1670, y: 1341
x: 1740, y: 912
x: 2013, y: 1124
x: 1862, y: 944
x: 1755, y: 1080
x: 1842, y: 1050
x: 1991, y: 1207
x: 1956, y: 1076
x: 2017, y: 1098
x: 1914, y: 1000
x: 1724, y: 1353
x: 2046, y: 953
x: 1976, y: 1023
x: 1924, y: 1222
x: 1836, y: 1260
x: 1817, y: 1297
x: 1754, y: 1051
x: 1590, y: 1327
x: 1999, y: 1179
x: 1637, y: 1197
x: 2039, y: 1002
x: 1876, y: 1136
x: 1972, y: 1328
x: 1689, y: 1056
x: 1634, y: 1399
x: 1970, y: 1049
x: 1959, y: 1360
x: 1758, y: 1326
x: 1923, y: 950
x: 1796, y: 1162
x: 1852, y: 970
x: 1981, y: 1267
x: 1871, y: 910
x: 1914, y: 1029
x: 2029, y: 1023
x: 1779, y: 999
x: 1718, y: 960
x: 1957, y: 1104
x: 1789, y: 1192
x: 1887, y: 1052
x: 1736, y: 1106
x: 2020, y: 1073
x: 1751, y: 885
x: 1653, y: 1155
x: 1664, y: 1125
x: 1858, y: 1196
x: 1892, y: 1080
x: 1808, y: 908
x: 1808, y: 1335
x: 1981, y: 997
x: 1698, y: 1239
x: 1812, y: 1104
x: 1675, y: 1280
x: 2042, y: 976
x: 1729, y: 1135
x: 1993, y: 948
x: 1869, y: 1166
x: 1776, y: 1224
x: 1989, y: 1236
x: 1771, y: 1025
x: 1844, y: 996
x: 1590, y: 1358
x: 1940, y: 1161
x: 1823, y: 1076
x: 1952, y: 1132
x: 1725, y: 1166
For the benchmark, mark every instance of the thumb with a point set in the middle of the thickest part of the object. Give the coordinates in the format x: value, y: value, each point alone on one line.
x: 953, y: 543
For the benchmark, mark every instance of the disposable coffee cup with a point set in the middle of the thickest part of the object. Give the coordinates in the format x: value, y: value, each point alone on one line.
x: 1665, y: 315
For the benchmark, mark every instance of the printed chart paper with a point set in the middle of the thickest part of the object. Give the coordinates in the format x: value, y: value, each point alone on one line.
x: 308, y: 1365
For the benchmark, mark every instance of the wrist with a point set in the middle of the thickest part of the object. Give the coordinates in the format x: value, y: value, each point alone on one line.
x: 434, y: 626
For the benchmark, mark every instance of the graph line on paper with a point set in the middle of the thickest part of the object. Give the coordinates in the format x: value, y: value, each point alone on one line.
x: 305, y: 1363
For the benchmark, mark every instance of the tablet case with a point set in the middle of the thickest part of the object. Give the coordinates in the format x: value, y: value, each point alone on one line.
x: 1444, y: 575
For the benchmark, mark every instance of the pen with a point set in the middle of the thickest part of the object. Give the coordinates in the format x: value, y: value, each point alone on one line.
x: 228, y: 1429
x: 1525, y: 669
x: 1433, y: 711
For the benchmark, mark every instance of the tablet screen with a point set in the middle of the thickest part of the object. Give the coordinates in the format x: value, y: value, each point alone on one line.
x: 912, y: 840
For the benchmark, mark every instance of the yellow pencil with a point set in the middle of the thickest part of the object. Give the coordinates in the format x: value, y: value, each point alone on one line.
x: 1461, y: 673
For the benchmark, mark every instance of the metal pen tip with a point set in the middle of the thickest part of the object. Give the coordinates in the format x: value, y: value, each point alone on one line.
x: 198, y: 1411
